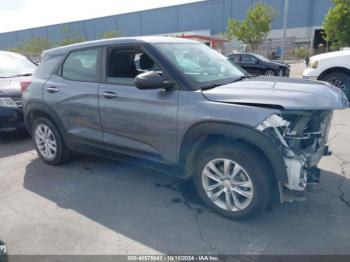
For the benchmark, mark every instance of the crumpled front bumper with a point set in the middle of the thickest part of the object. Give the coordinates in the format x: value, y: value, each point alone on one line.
x: 301, y: 166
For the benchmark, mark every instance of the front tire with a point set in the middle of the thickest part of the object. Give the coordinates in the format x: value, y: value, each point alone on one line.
x: 233, y: 180
x: 48, y: 142
x: 270, y: 72
x: 340, y: 80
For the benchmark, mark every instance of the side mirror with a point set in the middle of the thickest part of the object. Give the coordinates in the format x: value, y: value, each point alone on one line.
x: 152, y: 80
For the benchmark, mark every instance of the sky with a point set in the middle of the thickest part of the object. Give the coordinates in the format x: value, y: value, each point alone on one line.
x: 22, y: 14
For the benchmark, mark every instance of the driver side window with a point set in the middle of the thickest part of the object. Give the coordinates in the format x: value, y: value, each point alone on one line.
x: 124, y: 65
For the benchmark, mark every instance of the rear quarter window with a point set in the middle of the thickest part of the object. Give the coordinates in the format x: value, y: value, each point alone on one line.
x: 49, y: 65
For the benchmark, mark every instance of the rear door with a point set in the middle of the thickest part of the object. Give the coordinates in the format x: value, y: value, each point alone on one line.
x: 136, y: 122
x: 72, y: 95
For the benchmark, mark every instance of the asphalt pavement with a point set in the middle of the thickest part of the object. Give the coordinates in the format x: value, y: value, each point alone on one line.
x: 97, y: 206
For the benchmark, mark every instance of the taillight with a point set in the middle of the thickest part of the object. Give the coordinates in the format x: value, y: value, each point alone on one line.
x: 24, y: 85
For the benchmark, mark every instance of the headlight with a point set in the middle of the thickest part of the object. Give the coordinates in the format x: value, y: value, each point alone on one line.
x: 313, y: 64
x: 7, y: 102
x: 2, y: 248
x: 272, y: 121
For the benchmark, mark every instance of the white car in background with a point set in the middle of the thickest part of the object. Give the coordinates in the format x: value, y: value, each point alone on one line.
x: 333, y: 67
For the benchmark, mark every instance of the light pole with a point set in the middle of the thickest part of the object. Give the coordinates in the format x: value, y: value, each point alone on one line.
x: 285, y: 20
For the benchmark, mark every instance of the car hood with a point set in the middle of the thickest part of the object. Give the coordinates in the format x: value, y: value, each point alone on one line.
x: 287, y: 93
x: 11, y: 86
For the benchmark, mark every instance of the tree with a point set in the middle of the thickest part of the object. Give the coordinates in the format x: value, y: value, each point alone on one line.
x: 111, y: 34
x: 337, y: 24
x: 70, y: 36
x: 33, y: 46
x: 254, y: 29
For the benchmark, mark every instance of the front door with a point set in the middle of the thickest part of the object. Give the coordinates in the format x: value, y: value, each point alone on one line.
x: 136, y: 122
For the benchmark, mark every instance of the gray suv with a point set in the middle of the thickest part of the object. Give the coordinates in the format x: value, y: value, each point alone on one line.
x: 180, y: 107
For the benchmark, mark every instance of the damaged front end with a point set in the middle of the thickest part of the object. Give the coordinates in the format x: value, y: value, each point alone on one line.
x: 302, y: 139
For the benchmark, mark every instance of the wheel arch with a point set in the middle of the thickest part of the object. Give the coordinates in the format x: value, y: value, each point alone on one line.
x: 202, y: 134
x: 268, y: 68
x: 36, y: 110
x: 334, y: 70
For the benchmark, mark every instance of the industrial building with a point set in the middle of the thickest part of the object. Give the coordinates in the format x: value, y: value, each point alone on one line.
x: 203, y: 19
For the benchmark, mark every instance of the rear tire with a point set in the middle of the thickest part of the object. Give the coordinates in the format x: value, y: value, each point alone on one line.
x: 340, y: 80
x: 245, y: 193
x: 48, y: 142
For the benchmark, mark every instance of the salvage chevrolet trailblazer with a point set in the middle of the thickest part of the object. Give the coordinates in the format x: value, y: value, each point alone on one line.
x: 245, y: 141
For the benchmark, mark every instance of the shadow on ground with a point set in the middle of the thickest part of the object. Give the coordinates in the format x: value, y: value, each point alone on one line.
x: 15, y: 143
x: 166, y: 214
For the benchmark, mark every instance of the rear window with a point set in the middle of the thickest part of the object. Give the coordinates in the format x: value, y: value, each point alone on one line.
x: 81, y: 66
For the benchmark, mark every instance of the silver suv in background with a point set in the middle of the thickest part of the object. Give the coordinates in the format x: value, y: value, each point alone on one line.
x: 178, y: 106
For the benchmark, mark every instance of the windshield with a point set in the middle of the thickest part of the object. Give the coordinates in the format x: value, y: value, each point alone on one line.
x: 260, y: 57
x: 200, y: 63
x: 12, y: 65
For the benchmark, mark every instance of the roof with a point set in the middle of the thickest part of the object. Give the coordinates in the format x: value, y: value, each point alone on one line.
x: 120, y: 40
x: 205, y: 38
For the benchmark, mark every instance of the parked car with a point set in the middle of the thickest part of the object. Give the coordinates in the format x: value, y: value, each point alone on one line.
x: 258, y: 65
x: 15, y: 71
x: 178, y: 106
x: 333, y: 67
x: 3, y: 254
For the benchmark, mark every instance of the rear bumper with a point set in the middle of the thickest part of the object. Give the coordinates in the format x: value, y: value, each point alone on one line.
x: 11, y: 119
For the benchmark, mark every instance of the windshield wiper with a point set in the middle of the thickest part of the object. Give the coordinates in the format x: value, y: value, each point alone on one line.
x: 222, y: 84
x: 211, y: 86
x: 241, y: 78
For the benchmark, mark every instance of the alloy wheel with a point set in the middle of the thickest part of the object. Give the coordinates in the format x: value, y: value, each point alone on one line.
x: 45, y: 142
x: 338, y: 83
x: 227, y: 184
x: 270, y: 72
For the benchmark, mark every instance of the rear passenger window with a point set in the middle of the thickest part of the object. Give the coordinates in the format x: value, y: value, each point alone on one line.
x: 81, y: 66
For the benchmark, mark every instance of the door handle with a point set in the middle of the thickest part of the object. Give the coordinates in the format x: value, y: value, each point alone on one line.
x: 52, y: 89
x: 109, y: 95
